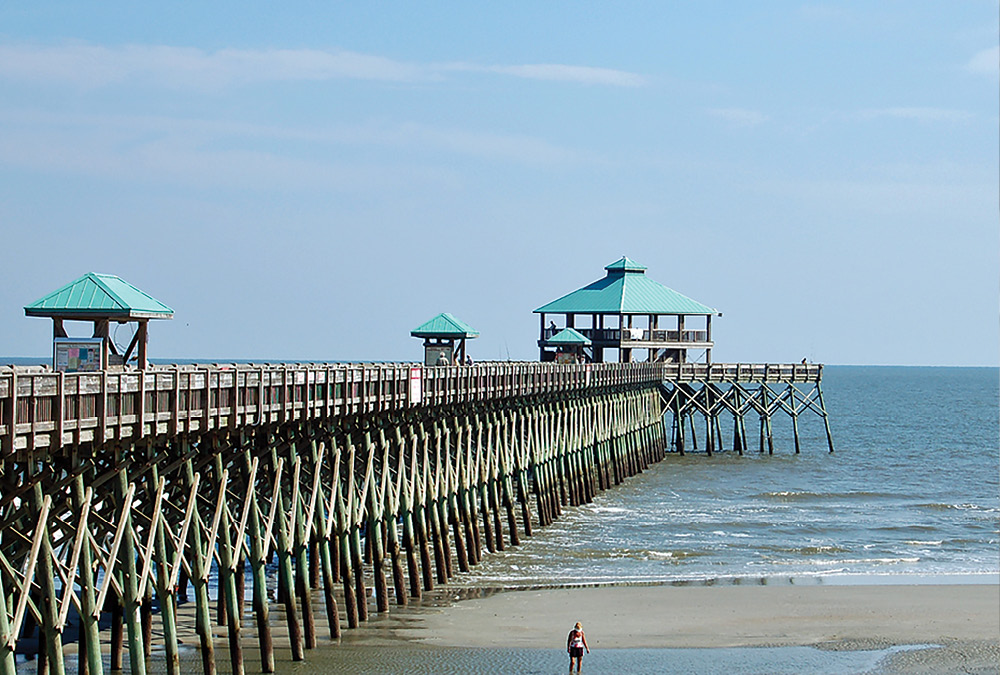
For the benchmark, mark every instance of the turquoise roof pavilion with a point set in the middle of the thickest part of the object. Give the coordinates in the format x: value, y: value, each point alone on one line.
x: 444, y: 339
x: 102, y: 299
x: 625, y: 310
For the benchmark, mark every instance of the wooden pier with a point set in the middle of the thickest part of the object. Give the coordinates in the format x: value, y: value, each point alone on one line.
x: 121, y: 486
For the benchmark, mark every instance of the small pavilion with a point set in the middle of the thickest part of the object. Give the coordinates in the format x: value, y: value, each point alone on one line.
x: 102, y: 299
x: 569, y: 344
x: 628, y: 311
x: 444, y: 336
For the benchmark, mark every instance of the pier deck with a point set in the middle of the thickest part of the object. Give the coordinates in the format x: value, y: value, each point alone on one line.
x: 40, y: 408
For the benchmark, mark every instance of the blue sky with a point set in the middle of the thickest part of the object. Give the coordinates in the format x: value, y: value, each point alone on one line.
x: 314, y: 180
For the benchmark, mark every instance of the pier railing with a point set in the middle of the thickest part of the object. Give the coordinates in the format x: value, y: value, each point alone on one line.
x: 41, y: 408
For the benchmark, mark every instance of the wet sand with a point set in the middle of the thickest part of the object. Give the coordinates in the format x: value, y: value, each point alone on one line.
x: 733, y: 629
x: 718, y: 616
x: 865, y: 628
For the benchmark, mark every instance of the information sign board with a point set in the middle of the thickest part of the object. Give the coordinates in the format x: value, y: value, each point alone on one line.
x: 78, y: 355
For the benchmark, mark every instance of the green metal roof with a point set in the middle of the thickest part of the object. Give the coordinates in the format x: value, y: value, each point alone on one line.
x: 97, y: 296
x: 445, y: 325
x: 569, y: 337
x: 625, y: 290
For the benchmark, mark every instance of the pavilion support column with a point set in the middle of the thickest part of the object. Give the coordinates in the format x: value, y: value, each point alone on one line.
x: 708, y: 331
x: 541, y: 336
x: 143, y: 338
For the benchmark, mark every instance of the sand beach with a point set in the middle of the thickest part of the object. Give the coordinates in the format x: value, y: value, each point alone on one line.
x: 715, y: 628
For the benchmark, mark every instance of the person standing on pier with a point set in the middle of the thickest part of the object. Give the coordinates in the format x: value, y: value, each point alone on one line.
x: 576, y: 642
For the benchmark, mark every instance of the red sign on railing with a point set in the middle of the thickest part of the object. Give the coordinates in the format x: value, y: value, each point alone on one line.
x: 416, y: 385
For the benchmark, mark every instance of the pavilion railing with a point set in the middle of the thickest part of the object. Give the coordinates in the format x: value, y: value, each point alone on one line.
x: 615, y: 335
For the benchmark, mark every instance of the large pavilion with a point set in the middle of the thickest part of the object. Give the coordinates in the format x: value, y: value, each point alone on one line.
x: 625, y: 311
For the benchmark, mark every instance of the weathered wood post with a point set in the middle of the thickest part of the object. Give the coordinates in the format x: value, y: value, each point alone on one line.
x: 826, y: 417
x: 8, y: 665
x: 164, y: 586
x: 452, y: 466
x: 343, y: 520
x: 284, y: 551
x: 227, y: 584
x: 391, y: 506
x: 432, y: 505
x: 375, y: 504
x: 794, y: 412
x: 323, y: 523
x: 48, y: 605
x: 408, y: 475
x: 301, y: 533
x: 356, y: 501
x: 507, y: 468
x: 89, y: 612
x: 130, y: 581
x: 416, y: 516
x: 258, y: 555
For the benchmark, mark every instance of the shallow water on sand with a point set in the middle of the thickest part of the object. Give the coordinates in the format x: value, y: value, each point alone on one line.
x: 732, y: 661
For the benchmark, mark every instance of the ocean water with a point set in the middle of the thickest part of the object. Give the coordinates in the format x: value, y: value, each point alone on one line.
x: 911, y: 493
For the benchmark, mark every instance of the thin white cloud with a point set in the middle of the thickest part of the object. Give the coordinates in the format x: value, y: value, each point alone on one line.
x: 221, y: 153
x: 919, y: 114
x: 986, y: 62
x: 562, y: 73
x: 94, y: 65
x: 740, y: 117
x: 91, y: 66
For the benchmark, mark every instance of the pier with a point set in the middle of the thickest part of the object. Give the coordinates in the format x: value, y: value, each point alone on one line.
x: 397, y: 477
x: 123, y: 488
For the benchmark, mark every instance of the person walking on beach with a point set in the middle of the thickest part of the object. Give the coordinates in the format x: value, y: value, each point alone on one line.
x: 575, y: 644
